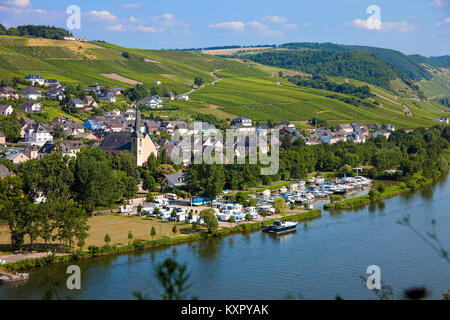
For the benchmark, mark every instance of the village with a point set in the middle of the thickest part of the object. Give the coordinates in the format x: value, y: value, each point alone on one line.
x: 116, y: 131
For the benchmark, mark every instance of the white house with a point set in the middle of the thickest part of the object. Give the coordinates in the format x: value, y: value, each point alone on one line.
x: 8, y: 93
x: 37, y: 134
x: 442, y: 119
x: 183, y: 97
x: 35, y: 78
x: 152, y: 102
x: 31, y: 107
x: 77, y: 103
x: 51, y: 82
x: 110, y: 97
x: 385, y: 133
x: 6, y: 109
x: 244, y: 121
x: 31, y: 93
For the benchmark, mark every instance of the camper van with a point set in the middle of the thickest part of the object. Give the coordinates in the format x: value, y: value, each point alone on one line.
x: 126, y: 209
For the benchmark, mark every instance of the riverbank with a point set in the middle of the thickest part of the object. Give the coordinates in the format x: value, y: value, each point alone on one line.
x: 389, y: 192
x: 95, y: 251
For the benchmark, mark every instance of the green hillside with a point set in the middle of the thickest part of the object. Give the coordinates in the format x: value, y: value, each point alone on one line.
x: 246, y: 88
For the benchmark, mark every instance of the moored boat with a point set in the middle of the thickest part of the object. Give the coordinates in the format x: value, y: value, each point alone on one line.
x: 279, y: 227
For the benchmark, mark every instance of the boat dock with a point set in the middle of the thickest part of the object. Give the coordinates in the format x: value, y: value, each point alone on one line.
x: 7, y: 276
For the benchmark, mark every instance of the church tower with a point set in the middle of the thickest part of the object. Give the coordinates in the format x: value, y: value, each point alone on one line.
x: 141, y: 145
x: 137, y: 140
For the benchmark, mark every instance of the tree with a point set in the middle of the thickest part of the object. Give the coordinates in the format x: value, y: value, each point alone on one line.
x: 107, y: 239
x: 139, y: 209
x: 279, y: 204
x: 70, y: 222
x: 210, y: 219
x: 153, y: 231
x: 173, y: 214
x: 381, y: 188
x: 174, y: 230
x: 149, y: 182
x: 248, y: 217
x: 130, y: 237
x: 198, y: 81
x: 373, y: 195
x: 263, y: 213
x: 190, y: 217
x: 231, y: 219
x: 149, y: 197
x: 194, y: 226
x: 95, y: 183
x: 173, y: 279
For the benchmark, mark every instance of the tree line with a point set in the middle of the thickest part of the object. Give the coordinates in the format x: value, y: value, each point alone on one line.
x: 46, y: 32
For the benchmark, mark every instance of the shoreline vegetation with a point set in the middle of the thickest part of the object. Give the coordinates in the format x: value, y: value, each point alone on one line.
x: 388, y: 192
x: 138, y: 244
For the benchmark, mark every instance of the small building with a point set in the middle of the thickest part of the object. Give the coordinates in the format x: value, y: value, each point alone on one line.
x: 2, y: 138
x: 51, y: 82
x: 109, y: 97
x: 16, y: 156
x: 4, y: 171
x: 244, y: 121
x: 35, y: 78
x: 345, y: 127
x: 77, y: 103
x: 183, y: 97
x: 8, y: 93
x: 31, y: 93
x: 170, y: 95
x: 31, y: 107
x: 175, y: 180
x: 6, y: 109
x: 442, y: 120
x: 89, y: 102
x: 37, y: 134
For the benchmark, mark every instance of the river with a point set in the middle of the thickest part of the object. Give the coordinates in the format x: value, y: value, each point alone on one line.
x: 325, y: 257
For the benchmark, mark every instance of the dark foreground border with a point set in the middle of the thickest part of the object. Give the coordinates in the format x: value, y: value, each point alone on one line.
x: 246, y: 309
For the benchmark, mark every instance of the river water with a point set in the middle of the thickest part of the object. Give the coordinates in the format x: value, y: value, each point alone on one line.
x: 325, y: 257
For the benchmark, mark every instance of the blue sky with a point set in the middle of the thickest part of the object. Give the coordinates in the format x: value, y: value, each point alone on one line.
x: 419, y: 26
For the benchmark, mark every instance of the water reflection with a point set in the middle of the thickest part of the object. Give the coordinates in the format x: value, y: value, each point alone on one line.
x: 282, y: 237
x: 209, y: 248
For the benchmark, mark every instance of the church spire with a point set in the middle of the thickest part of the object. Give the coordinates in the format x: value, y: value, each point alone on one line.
x: 137, y: 125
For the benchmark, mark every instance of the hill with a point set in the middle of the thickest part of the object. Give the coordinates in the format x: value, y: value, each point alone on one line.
x: 232, y: 87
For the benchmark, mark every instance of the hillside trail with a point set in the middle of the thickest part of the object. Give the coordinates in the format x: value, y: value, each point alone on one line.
x: 216, y: 80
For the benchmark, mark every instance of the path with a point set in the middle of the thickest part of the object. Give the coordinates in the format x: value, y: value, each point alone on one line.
x: 216, y: 80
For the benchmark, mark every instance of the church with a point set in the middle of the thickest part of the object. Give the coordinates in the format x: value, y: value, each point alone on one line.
x: 139, y: 144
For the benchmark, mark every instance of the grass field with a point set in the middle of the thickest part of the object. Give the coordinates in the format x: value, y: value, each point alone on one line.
x: 117, y: 226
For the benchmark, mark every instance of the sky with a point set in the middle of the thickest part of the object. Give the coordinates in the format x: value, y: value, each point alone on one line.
x: 410, y: 26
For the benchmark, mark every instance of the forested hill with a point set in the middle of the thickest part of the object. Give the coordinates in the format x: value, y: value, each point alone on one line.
x: 46, y: 32
x: 410, y: 65
x: 358, y: 65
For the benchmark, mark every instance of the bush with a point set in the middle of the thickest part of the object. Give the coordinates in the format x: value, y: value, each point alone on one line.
x: 381, y: 188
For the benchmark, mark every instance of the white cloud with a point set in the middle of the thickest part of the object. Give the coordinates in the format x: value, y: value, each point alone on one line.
x: 401, y: 26
x: 131, y: 5
x: 275, y: 19
x: 117, y: 27
x: 440, y: 3
x: 230, y: 25
x: 257, y: 25
x: 133, y: 19
x: 307, y: 24
x: 149, y: 29
x: 447, y: 20
x: 103, y: 15
x: 262, y: 29
x: 19, y: 3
